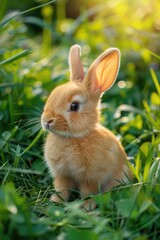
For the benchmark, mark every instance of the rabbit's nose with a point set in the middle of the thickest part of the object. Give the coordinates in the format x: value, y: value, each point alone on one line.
x: 47, y: 124
x: 50, y: 121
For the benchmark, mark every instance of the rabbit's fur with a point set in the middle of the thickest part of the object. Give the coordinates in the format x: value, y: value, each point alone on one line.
x: 78, y: 150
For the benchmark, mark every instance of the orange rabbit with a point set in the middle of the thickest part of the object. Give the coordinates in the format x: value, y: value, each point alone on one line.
x: 78, y: 150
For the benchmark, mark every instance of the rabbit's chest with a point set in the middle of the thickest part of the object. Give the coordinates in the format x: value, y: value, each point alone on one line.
x: 69, y: 158
x: 71, y: 163
x: 69, y: 168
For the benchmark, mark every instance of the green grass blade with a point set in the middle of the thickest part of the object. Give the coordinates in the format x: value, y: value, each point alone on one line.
x: 149, y: 116
x: 148, y: 164
x: 37, y: 7
x: 3, y: 8
x: 138, y: 167
x: 32, y: 143
x: 16, y: 57
x: 156, y: 141
x: 19, y: 170
x: 2, y: 24
x: 154, y: 168
x: 155, y: 80
x: 153, y: 54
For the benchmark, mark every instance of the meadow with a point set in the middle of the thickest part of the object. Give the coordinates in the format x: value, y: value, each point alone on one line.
x: 34, y: 44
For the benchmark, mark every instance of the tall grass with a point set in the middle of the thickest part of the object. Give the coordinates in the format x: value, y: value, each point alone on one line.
x: 27, y: 75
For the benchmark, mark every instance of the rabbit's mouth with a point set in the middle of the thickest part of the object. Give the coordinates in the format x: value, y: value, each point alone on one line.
x: 49, y: 126
x: 66, y: 134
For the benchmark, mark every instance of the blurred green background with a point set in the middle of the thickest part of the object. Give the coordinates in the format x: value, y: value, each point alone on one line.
x: 35, y: 38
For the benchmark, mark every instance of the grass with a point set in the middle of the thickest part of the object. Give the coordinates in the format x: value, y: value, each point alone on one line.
x: 29, y: 69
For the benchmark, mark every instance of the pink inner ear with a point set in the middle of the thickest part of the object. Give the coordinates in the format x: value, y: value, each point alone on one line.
x: 106, y: 71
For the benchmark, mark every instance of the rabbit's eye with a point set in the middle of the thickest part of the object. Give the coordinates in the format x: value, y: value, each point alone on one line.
x: 74, y: 107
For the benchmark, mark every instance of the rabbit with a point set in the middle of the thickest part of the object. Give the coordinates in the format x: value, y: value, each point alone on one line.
x: 79, y: 151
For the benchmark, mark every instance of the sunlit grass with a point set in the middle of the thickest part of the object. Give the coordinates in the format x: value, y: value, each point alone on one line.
x: 30, y: 68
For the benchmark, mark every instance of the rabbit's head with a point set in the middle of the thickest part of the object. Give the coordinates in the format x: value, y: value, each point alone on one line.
x: 72, y: 108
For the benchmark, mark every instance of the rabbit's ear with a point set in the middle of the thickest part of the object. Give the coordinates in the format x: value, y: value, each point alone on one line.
x: 103, y: 71
x: 76, y: 68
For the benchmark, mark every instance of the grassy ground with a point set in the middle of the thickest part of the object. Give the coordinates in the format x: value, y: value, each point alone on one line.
x: 29, y: 69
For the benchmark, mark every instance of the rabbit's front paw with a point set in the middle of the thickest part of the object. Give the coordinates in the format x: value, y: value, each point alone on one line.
x: 89, y: 205
x: 55, y: 198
